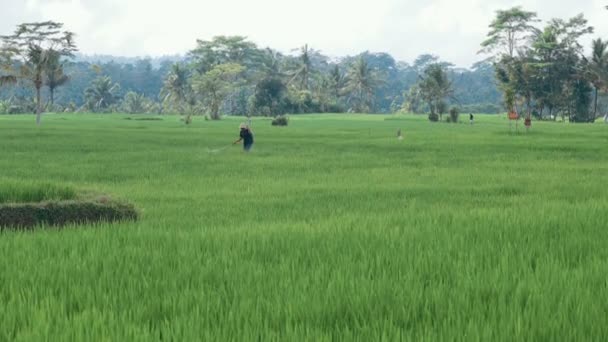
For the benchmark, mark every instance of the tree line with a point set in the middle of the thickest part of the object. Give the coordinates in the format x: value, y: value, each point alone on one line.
x: 536, y: 71
x: 227, y: 75
x: 542, y: 69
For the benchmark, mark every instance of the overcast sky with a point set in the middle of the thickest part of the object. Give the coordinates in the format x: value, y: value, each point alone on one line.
x: 451, y: 29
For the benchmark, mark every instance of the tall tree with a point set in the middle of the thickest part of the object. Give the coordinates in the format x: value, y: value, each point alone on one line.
x: 361, y: 82
x: 271, y: 64
x: 301, y: 74
x: 508, y: 30
x: 101, y: 94
x: 224, y: 50
x: 435, y: 88
x: 336, y: 82
x: 412, y: 100
x: 422, y: 62
x: 55, y: 76
x: 559, y: 67
x: 134, y: 103
x: 597, y: 69
x: 269, y: 96
x: 32, y: 46
x: 216, y: 84
x: 177, y: 91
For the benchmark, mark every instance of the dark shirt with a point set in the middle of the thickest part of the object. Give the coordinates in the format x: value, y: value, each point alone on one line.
x: 246, y: 136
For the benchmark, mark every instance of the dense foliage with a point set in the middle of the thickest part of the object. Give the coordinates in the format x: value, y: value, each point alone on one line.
x: 267, y: 83
x: 536, y: 70
x: 543, y: 72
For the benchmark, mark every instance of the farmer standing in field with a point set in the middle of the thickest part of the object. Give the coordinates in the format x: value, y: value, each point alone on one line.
x: 471, y: 118
x: 246, y: 136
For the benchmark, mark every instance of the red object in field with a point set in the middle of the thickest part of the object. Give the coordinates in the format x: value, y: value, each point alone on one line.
x: 513, y: 115
x: 528, y: 122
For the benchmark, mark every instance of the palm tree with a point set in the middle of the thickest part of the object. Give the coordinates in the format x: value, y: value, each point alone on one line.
x: 134, y: 103
x: 54, y: 75
x: 271, y: 64
x: 101, y: 94
x: 304, y: 68
x: 32, y: 45
x: 176, y: 88
x: 336, y: 82
x: 361, y: 82
x: 597, y: 68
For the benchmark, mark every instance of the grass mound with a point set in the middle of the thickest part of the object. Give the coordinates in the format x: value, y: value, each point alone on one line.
x: 27, y: 205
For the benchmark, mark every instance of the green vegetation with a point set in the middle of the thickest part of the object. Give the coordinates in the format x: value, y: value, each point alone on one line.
x: 27, y: 204
x: 34, y: 51
x: 19, y: 191
x: 62, y: 213
x: 539, y: 67
x: 272, y: 83
x: 544, y: 73
x: 330, y: 229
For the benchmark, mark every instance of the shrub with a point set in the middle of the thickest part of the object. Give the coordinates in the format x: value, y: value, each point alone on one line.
x: 280, y: 120
x: 434, y: 117
x: 454, y: 115
x: 61, y: 213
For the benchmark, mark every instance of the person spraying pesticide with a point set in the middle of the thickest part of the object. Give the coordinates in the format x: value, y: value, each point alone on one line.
x: 246, y: 136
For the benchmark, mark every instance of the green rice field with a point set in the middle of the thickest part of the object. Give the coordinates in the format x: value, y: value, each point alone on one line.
x: 331, y: 229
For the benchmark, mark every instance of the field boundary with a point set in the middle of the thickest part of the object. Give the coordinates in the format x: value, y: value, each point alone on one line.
x: 25, y: 216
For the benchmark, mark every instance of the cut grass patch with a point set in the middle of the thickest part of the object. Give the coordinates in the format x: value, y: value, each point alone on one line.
x: 144, y: 119
x: 27, y: 205
x: 26, y: 192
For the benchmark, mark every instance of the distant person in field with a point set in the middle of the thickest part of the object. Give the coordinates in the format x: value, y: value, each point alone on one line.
x: 471, y: 118
x: 399, y: 136
x: 246, y: 136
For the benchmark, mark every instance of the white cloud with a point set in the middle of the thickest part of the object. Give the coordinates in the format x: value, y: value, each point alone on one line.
x: 404, y: 28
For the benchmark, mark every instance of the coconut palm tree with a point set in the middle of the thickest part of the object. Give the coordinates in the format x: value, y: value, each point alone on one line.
x: 336, y: 79
x: 597, y: 68
x: 32, y: 46
x: 54, y: 75
x: 176, y: 89
x: 101, y: 94
x: 361, y: 82
x: 303, y: 70
x: 271, y: 64
x: 134, y: 103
